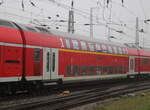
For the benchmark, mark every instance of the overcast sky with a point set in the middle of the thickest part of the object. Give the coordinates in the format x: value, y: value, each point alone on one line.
x: 123, y: 16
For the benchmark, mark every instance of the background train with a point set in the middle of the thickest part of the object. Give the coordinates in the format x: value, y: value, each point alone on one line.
x: 34, y: 55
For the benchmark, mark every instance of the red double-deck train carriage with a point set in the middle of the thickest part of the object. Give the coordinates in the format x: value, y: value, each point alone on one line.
x: 36, y: 54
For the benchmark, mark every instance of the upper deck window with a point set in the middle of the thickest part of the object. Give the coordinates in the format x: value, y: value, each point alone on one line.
x: 67, y: 43
x: 91, y: 46
x: 75, y: 44
x: 110, y: 49
x: 83, y: 45
x: 104, y: 48
x: 115, y: 50
x: 124, y: 51
x: 98, y: 48
x: 120, y: 50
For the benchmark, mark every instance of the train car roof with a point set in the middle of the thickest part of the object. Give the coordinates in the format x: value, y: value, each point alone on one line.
x: 132, y: 50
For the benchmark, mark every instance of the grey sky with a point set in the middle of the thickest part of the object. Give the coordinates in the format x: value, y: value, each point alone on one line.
x: 123, y: 16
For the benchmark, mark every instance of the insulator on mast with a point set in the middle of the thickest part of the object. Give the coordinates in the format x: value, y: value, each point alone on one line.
x: 107, y: 3
x: 122, y: 2
x: 22, y: 4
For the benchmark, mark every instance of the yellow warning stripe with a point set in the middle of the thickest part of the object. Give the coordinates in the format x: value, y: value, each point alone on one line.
x: 89, y: 52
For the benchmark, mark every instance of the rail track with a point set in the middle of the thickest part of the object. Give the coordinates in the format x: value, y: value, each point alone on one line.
x: 84, y: 96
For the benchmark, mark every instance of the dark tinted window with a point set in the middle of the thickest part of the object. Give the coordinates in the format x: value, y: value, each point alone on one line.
x: 131, y: 64
x: 6, y: 23
x: 121, y: 69
x: 145, y: 60
x: 68, y: 70
x: 124, y: 69
x: 36, y: 54
x: 47, y: 64
x: 110, y: 70
x: 116, y: 69
x: 76, y: 70
x: 84, y: 70
x: 53, y: 67
x: 98, y: 70
x: 91, y: 68
x: 104, y: 69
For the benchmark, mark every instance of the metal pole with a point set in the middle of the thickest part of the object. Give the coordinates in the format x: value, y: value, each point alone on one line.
x: 91, y: 22
x: 137, y: 33
x: 71, y: 20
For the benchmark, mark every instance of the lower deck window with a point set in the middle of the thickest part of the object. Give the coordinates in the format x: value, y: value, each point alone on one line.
x: 68, y: 70
x: 84, y: 70
x: 37, y: 54
x: 116, y: 69
x: 98, y: 70
x: 76, y: 70
x: 91, y: 68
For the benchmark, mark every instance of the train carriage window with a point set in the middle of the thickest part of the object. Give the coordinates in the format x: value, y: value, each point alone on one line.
x: 119, y: 50
x: 98, y: 70
x: 68, y: 70
x: 53, y: 67
x: 76, y: 70
x: 116, y: 69
x: 98, y: 48
x: 37, y: 54
x: 67, y: 43
x: 104, y: 48
x: 104, y: 69
x: 110, y: 70
x: 91, y: 69
x: 121, y: 69
x: 115, y: 50
x: 83, y: 45
x: 47, y: 64
x: 5, y: 23
x: 145, y: 61
x: 84, y: 70
x: 131, y: 64
x: 124, y: 51
x: 75, y: 44
x: 110, y: 49
x: 124, y: 69
x: 91, y: 46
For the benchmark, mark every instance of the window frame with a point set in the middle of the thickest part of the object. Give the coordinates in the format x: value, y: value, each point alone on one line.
x: 104, y: 48
x: 68, y: 44
x: 91, y: 45
x: 37, y: 54
x: 98, y: 48
x: 84, y: 47
x: 110, y: 50
x: 76, y: 45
